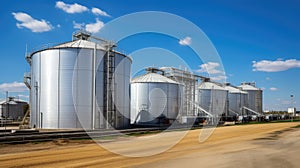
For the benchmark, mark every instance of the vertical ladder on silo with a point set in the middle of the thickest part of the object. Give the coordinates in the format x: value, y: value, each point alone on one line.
x: 109, y: 104
x: 112, y: 107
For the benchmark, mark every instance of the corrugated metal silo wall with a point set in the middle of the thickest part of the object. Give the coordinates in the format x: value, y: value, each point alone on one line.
x: 255, y: 100
x: 237, y: 101
x: 234, y: 102
x: 259, y: 100
x: 157, y: 99
x: 213, y: 101
x: 13, y: 111
x: 62, y: 83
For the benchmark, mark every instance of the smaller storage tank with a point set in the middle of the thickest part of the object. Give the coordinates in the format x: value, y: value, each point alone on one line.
x: 254, y: 96
x: 237, y: 99
x: 155, y: 99
x: 13, y: 108
x: 212, y: 97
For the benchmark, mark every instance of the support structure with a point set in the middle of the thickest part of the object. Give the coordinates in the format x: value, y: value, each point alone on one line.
x: 255, y: 112
x: 190, y: 81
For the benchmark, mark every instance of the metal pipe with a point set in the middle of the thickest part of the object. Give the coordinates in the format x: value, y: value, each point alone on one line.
x: 36, y: 103
x: 107, y: 87
x: 59, y: 91
x: 41, y: 119
x: 252, y: 111
x: 7, y: 108
x: 7, y: 113
x: 94, y: 86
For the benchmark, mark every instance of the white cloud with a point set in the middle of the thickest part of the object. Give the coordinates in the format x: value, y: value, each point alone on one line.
x: 275, y: 66
x: 94, y: 27
x: 30, y: 23
x: 71, y: 8
x: 210, y: 68
x: 78, y: 25
x: 186, y: 41
x: 23, y: 96
x: 13, y: 87
x: 100, y: 12
x: 218, y: 78
x: 91, y: 27
x: 273, y: 89
x: 268, y: 78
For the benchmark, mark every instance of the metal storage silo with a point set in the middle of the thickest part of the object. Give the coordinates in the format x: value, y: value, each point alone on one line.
x: 12, y: 108
x: 212, y: 98
x: 79, y: 84
x: 237, y: 99
x: 254, y: 97
x: 154, y: 96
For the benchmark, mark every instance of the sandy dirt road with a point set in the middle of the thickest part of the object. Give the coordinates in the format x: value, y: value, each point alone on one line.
x: 261, y: 145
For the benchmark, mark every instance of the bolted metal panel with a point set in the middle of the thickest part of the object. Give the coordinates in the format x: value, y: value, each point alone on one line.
x: 82, y: 87
x: 151, y: 100
x: 237, y: 99
x: 34, y: 92
x: 67, y: 118
x: 49, y: 89
x: 254, y: 96
x: 212, y: 98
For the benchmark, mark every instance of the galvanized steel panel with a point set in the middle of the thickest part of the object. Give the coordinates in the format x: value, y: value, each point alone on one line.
x: 67, y: 117
x: 49, y: 88
x: 212, y: 100
x: 151, y: 100
x: 34, y: 101
x: 66, y: 84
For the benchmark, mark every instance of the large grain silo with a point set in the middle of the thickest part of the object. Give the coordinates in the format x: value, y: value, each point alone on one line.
x: 237, y: 99
x: 212, y: 98
x: 154, y: 96
x: 79, y: 84
x: 254, y: 97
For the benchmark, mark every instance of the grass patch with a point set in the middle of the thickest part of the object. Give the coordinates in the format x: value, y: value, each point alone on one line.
x: 280, y: 121
x: 37, y: 142
x: 143, y: 133
x: 297, y: 126
x: 269, y: 122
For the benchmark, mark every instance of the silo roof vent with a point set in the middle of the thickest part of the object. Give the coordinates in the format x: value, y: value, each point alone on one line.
x: 81, y: 35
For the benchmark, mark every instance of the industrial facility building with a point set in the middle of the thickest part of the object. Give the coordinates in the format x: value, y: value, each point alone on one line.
x: 13, y: 108
x: 79, y: 84
x: 201, y: 97
x: 86, y: 84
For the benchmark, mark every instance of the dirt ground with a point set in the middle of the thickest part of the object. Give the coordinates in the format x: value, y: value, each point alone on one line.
x: 259, y: 145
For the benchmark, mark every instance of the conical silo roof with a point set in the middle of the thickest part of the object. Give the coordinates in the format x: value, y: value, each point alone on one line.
x: 152, y: 78
x: 80, y: 44
x: 210, y: 85
x: 232, y: 89
x: 248, y: 86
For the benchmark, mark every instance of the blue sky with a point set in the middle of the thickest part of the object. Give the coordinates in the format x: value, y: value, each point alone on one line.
x: 257, y: 40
